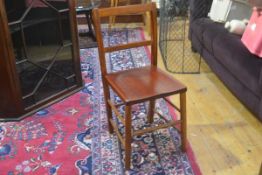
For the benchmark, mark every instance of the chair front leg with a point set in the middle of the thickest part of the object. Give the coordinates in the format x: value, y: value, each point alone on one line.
x: 183, y: 120
x: 128, y: 136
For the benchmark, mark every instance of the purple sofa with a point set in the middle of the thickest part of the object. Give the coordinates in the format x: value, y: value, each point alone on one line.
x: 240, y: 70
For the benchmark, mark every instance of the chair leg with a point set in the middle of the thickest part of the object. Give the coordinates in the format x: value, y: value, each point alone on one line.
x: 108, y: 108
x: 183, y: 120
x: 128, y: 137
x: 150, y: 115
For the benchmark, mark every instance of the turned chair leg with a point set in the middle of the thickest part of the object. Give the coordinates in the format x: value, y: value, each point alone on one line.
x: 151, y: 108
x: 183, y: 120
x: 128, y: 137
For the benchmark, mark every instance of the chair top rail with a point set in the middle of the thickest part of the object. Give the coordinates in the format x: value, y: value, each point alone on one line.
x: 125, y: 10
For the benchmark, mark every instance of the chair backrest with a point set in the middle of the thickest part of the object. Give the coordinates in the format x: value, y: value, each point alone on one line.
x: 149, y: 8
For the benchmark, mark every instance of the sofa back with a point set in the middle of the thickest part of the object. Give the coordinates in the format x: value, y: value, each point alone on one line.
x: 199, y: 8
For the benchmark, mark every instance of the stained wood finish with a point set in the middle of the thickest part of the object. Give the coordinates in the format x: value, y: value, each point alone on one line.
x: 125, y: 10
x: 115, y: 3
x: 114, y: 126
x: 118, y: 115
x: 118, y: 19
x: 173, y: 105
x: 152, y: 129
x: 11, y: 106
x: 183, y: 119
x: 151, y: 109
x: 10, y: 95
x: 142, y: 84
x: 74, y: 33
x: 127, y: 46
x: 128, y: 136
x: 139, y: 84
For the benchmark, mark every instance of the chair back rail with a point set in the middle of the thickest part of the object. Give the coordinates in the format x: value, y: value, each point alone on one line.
x: 126, y: 10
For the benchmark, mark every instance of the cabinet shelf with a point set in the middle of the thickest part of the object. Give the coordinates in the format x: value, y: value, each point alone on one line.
x: 15, y: 26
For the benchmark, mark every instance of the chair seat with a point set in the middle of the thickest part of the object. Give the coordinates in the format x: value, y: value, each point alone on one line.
x: 141, y: 84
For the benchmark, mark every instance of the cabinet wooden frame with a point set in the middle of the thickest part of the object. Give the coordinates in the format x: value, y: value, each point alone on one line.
x: 11, y: 105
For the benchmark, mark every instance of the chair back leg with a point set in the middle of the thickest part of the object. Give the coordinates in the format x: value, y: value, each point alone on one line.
x: 128, y: 136
x: 151, y: 108
x: 108, y: 107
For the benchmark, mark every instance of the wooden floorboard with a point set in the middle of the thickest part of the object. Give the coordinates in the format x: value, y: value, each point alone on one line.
x: 226, y: 138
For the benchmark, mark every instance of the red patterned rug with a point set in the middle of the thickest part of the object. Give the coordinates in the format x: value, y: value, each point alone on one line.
x: 71, y: 137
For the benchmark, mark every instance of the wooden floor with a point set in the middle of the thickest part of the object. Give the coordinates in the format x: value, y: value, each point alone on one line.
x: 226, y: 138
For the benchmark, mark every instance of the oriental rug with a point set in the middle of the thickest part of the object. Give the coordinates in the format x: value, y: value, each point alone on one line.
x: 71, y: 137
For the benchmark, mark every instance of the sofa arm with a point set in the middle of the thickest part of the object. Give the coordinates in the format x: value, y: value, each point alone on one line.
x: 199, y: 8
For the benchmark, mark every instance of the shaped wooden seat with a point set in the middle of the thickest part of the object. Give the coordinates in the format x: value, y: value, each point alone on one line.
x: 139, y: 84
x: 142, y: 84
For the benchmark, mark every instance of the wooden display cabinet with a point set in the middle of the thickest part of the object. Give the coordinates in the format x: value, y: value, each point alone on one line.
x: 39, y: 55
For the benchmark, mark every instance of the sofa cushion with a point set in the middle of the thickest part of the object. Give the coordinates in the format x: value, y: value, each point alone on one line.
x: 246, y: 67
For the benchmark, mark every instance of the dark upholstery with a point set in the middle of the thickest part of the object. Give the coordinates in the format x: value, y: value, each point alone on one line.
x: 227, y: 56
x: 198, y: 10
x: 212, y: 32
x: 239, y: 61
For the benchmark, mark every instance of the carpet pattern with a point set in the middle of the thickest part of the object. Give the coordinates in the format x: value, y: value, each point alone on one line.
x: 71, y: 137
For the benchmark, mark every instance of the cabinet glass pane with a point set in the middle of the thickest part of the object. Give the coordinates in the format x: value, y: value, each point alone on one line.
x: 40, y: 31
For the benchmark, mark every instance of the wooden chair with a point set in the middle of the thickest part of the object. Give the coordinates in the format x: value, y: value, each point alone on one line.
x: 114, y: 3
x: 139, y: 84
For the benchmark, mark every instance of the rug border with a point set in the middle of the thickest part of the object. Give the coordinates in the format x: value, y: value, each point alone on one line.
x: 189, y: 151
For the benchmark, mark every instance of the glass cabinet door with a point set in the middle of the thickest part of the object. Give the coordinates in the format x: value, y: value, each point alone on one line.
x: 42, y: 43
